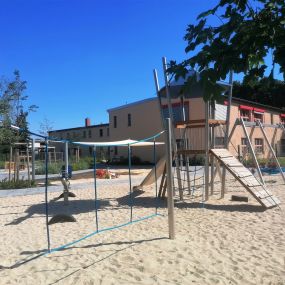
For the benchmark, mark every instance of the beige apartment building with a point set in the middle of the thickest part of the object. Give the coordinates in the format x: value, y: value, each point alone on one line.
x: 86, y: 133
x: 142, y: 119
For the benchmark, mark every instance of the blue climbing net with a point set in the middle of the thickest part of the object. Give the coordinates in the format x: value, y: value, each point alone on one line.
x: 96, y: 204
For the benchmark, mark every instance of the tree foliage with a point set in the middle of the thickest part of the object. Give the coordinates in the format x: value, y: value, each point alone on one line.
x: 46, y: 126
x: 12, y: 109
x: 245, y: 36
x: 265, y: 91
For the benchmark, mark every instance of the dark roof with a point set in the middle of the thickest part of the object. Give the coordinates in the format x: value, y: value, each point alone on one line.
x: 80, y: 128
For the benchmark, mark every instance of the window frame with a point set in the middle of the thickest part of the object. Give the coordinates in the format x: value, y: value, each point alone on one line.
x: 259, y: 145
x: 115, y: 123
x: 129, y: 120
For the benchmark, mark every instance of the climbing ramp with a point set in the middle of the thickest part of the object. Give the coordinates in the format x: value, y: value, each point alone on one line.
x: 246, y: 178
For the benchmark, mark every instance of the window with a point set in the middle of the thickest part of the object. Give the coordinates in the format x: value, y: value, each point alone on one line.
x: 101, y: 132
x: 244, y: 146
x: 89, y: 133
x: 282, y: 146
x: 258, y: 117
x: 108, y: 132
x: 84, y: 134
x: 129, y: 120
x: 177, y: 111
x: 245, y: 115
x: 258, y: 145
x: 258, y: 114
x: 115, y: 122
x: 116, y: 150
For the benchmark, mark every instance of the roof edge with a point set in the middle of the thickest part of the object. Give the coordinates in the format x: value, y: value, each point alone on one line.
x: 132, y: 104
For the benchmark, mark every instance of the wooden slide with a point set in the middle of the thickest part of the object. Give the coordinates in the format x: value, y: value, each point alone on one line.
x: 246, y: 178
x: 150, y: 178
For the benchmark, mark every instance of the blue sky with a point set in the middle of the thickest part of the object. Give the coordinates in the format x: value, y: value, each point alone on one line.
x: 82, y: 57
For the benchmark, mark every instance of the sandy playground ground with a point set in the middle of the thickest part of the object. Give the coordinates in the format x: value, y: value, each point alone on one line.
x: 219, y: 242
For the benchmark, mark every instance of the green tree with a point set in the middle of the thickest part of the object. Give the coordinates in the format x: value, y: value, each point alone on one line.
x: 46, y: 126
x: 245, y: 36
x: 265, y: 91
x: 12, y: 109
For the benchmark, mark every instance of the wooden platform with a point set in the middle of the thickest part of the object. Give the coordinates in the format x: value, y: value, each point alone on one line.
x: 199, y: 123
x: 246, y: 178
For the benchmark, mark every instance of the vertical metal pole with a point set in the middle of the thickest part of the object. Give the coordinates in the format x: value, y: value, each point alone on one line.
x: 66, y: 158
x: 130, y: 182
x: 28, y: 162
x: 155, y: 176
x: 65, y: 193
x: 46, y: 192
x: 95, y: 187
x: 174, y: 146
x: 159, y: 98
x: 187, y: 166
x: 271, y: 149
x: 229, y: 110
x: 170, y: 200
x: 227, y: 131
x: 206, y: 170
x: 212, y: 143
x: 33, y: 160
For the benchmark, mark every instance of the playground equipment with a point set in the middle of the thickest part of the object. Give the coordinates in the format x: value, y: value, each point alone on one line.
x: 216, y: 161
x: 129, y: 144
x: 65, y: 175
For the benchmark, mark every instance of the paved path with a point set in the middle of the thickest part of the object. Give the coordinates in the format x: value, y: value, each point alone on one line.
x: 77, y: 186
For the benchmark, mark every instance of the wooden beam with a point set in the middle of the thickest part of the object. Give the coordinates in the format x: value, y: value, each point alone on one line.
x: 199, y: 123
x: 191, y: 151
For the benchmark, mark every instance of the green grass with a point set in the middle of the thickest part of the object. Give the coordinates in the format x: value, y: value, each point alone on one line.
x: 2, y: 164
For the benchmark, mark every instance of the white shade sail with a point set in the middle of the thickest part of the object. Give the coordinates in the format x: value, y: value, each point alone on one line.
x: 119, y: 143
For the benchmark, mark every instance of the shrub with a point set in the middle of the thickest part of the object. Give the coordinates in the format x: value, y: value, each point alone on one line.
x: 5, y: 184
x: 197, y: 160
x: 2, y: 164
x: 53, y: 168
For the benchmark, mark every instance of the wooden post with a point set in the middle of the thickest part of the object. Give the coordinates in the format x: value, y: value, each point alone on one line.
x: 212, y: 143
x: 239, y: 153
x: 173, y: 140
x: 33, y: 160
x: 170, y: 200
x: 227, y: 131
x: 206, y: 170
x: 17, y: 165
x: 28, y: 162
x: 10, y: 161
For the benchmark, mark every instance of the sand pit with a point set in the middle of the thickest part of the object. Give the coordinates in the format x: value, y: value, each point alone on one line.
x: 219, y: 242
